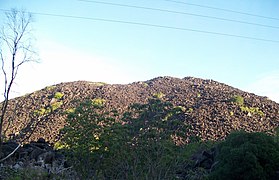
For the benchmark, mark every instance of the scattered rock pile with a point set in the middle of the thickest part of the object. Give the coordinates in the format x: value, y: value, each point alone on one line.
x: 36, y: 155
x: 209, y: 111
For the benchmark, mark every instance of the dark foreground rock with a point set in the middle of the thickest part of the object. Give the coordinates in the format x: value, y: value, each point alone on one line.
x: 37, y: 156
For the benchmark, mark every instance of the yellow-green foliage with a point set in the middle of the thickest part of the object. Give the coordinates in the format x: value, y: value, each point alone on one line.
x: 158, y: 95
x: 59, y: 145
x: 56, y: 105
x: 180, y: 108
x: 252, y: 110
x: 168, y: 116
x: 58, y: 95
x: 50, y: 87
x: 101, y: 83
x: 175, y: 110
x: 42, y: 111
x: 238, y: 100
x: 190, y: 110
x: 52, y: 107
x: 145, y: 84
x: 102, y: 145
x: 70, y: 110
x: 98, y: 102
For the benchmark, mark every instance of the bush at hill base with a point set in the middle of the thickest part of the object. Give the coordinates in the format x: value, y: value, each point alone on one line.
x: 247, y: 156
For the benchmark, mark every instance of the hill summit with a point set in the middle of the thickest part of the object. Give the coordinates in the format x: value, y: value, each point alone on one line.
x: 210, y: 108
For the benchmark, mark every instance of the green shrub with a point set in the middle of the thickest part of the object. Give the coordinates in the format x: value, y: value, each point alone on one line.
x: 190, y: 110
x: 98, y: 102
x: 50, y: 87
x: 60, y: 145
x: 158, y: 95
x: 156, y: 120
x: 69, y: 110
x: 58, y: 95
x: 145, y: 84
x: 56, y: 105
x: 49, y: 109
x: 87, y: 135
x: 180, y: 108
x: 151, y: 153
x: 247, y: 156
x: 27, y: 173
x: 277, y: 135
x: 252, y: 110
x: 238, y: 100
x: 42, y: 111
x: 103, y: 146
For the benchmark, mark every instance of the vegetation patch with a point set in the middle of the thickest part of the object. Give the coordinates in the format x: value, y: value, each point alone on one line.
x: 247, y: 156
x: 98, y: 83
x: 56, y: 105
x: 180, y: 108
x: 238, y: 100
x: 58, y: 95
x: 50, y: 87
x: 152, y: 140
x: 139, y: 144
x: 98, y: 102
x: 70, y: 110
x: 149, y: 141
x: 158, y: 95
x: 42, y: 111
x: 51, y: 107
x: 145, y: 84
x: 190, y: 110
x: 252, y: 110
x: 59, y: 145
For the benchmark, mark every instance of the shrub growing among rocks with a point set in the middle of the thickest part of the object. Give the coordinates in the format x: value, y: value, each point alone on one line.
x: 247, y: 156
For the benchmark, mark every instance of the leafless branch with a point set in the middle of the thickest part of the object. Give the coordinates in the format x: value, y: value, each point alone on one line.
x: 15, y: 50
x: 11, y: 153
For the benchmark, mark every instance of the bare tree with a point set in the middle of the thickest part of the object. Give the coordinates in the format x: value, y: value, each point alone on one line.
x: 15, y: 50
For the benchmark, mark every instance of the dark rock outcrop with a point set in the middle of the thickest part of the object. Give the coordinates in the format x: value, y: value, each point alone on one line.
x: 36, y: 155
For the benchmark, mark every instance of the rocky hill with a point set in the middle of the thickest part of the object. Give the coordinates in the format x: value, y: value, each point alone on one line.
x: 211, y: 109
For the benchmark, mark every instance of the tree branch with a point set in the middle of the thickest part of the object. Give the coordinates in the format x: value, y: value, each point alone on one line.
x: 14, y: 36
x: 11, y: 153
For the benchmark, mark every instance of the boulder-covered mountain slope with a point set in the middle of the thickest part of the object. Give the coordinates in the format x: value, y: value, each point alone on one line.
x: 211, y: 109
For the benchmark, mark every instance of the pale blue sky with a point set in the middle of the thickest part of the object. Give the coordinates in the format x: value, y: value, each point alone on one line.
x: 84, y: 49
